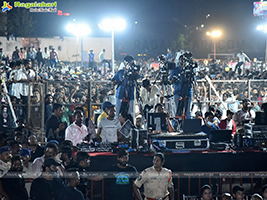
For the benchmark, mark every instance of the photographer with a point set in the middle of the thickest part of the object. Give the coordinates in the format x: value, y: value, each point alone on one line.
x: 182, y: 77
x: 125, y: 79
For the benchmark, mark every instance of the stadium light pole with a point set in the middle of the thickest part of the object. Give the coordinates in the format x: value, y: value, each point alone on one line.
x: 79, y: 30
x: 115, y: 24
x: 263, y: 28
x: 214, y: 35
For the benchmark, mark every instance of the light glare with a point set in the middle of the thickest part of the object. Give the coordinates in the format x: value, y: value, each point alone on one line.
x: 113, y: 24
x: 78, y: 29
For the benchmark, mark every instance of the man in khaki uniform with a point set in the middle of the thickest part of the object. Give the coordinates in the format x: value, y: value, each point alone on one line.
x: 157, y: 181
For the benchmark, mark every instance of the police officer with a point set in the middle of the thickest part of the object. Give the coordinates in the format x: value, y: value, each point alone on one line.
x: 157, y: 181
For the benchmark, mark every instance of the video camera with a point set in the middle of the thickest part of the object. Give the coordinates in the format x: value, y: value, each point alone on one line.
x: 164, y: 65
x: 131, y: 68
x: 187, y: 64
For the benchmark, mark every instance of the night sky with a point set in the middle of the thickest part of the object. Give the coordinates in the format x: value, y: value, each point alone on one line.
x: 159, y: 22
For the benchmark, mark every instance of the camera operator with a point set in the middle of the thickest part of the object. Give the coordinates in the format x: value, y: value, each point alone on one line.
x: 182, y: 77
x: 125, y: 79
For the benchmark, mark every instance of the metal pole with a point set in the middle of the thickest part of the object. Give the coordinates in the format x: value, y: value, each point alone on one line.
x: 77, y: 50
x: 266, y: 51
x: 112, y: 43
x: 89, y: 106
x: 81, y: 51
x: 214, y: 49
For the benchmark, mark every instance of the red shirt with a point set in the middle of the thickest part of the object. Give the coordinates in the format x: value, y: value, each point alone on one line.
x: 223, y: 125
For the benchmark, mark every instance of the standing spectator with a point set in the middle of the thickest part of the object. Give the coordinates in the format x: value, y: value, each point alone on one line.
x: 228, y: 123
x: 104, y: 113
x: 46, y: 56
x: 121, y: 184
x: 36, y: 149
x: 25, y: 154
x: 47, y: 186
x: 53, y: 58
x: 241, y: 61
x: 48, y: 107
x: 21, y: 54
x: 70, y: 192
x: 15, y: 186
x: 109, y: 127
x: 102, y: 55
x: 91, y: 60
x: 39, y: 57
x: 157, y: 181
x: 170, y: 55
x: 30, y: 54
x: 55, y: 129
x: 15, y: 54
x: 5, y: 157
x: 77, y: 131
x: 2, y: 55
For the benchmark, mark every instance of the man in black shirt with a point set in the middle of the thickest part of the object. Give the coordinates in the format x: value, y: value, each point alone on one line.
x: 121, y: 184
x: 48, y: 185
x: 70, y: 192
x: 55, y: 129
x: 15, y: 186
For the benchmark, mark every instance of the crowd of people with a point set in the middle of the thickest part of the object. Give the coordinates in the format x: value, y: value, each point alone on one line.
x: 66, y: 119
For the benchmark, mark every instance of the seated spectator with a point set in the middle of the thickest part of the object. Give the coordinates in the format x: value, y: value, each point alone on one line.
x: 238, y: 193
x: 206, y: 192
x: 226, y: 196
x: 244, y: 114
x: 228, y: 123
x: 15, y: 147
x: 209, y: 125
x: 256, y: 197
x: 47, y: 186
x: 109, y: 127
x: 15, y: 186
x: 66, y: 157
x: 264, y: 192
x: 159, y: 109
x: 70, y: 192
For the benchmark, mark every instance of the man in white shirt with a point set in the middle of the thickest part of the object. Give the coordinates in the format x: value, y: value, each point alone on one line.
x: 150, y: 95
x: 241, y: 60
x: 77, y: 131
x: 109, y: 127
x: 46, y: 57
x: 102, y: 55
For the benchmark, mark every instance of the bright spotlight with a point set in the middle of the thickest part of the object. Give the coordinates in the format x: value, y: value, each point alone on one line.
x: 78, y: 29
x: 112, y: 24
x: 259, y: 28
x: 208, y: 33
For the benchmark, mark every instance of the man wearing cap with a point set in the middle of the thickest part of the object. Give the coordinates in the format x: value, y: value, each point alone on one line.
x: 157, y: 181
x: 25, y: 154
x: 77, y: 131
x: 125, y: 79
x: 48, y: 185
x: 109, y: 127
x: 238, y: 192
x: 5, y: 157
x: 105, y: 107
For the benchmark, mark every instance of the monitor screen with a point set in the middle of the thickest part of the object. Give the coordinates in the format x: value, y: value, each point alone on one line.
x: 192, y: 126
x: 157, y: 122
x: 221, y: 136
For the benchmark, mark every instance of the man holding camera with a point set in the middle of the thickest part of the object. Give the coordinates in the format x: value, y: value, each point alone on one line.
x: 182, y: 88
x: 125, y: 79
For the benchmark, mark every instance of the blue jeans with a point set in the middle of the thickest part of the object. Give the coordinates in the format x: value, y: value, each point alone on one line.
x: 118, y: 107
x: 53, y: 61
x: 187, y: 107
